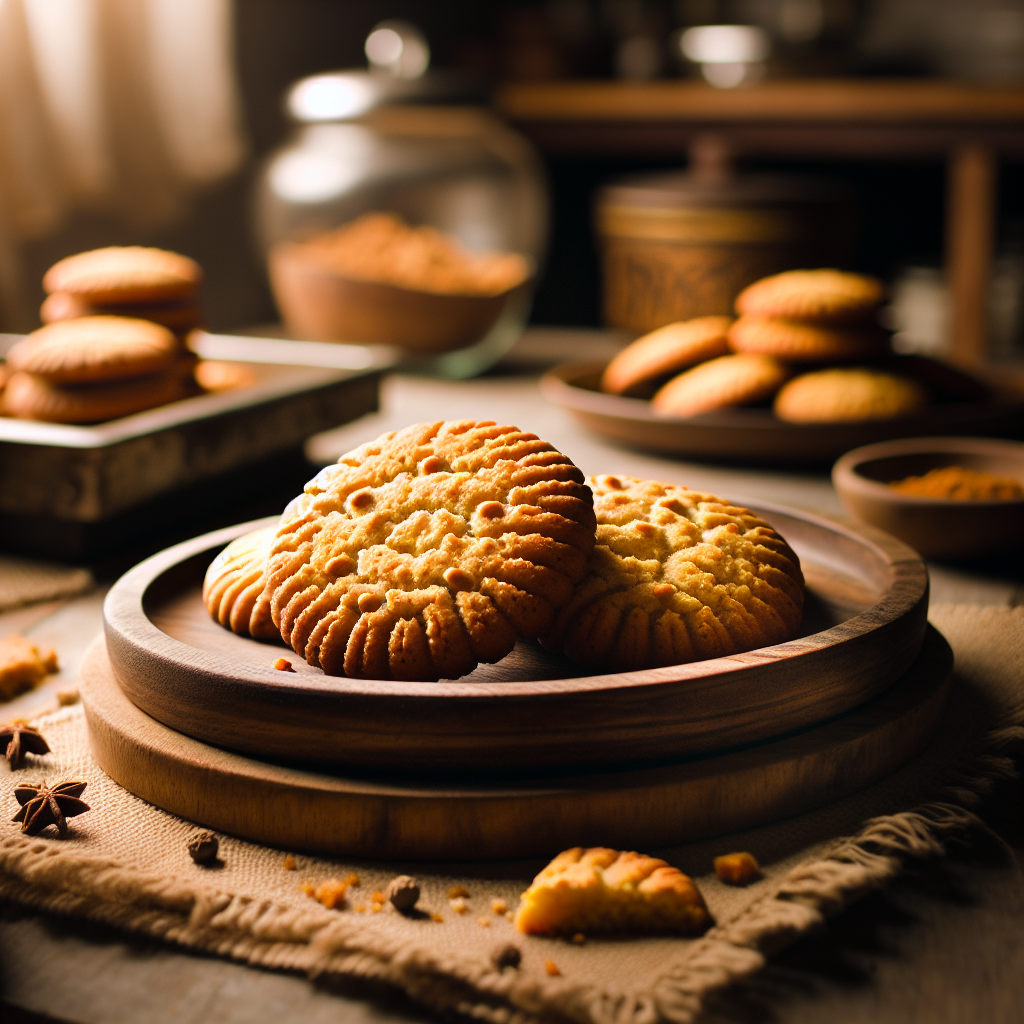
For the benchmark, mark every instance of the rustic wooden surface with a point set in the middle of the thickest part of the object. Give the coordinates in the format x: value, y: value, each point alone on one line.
x: 415, y: 820
x: 755, y: 435
x: 863, y: 625
x: 942, y: 945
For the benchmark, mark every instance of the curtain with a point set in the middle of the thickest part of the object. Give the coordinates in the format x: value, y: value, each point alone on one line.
x: 119, y: 106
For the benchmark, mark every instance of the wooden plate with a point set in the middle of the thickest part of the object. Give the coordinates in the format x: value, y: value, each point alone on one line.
x: 420, y: 821
x: 755, y: 436
x: 864, y: 623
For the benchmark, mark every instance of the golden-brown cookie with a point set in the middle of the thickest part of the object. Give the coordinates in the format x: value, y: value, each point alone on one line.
x: 798, y: 341
x: 828, y: 296
x: 601, y: 890
x: 233, y: 587
x: 676, y: 576
x: 179, y: 317
x: 721, y: 383
x: 34, y: 398
x: 666, y: 351
x: 224, y: 375
x: 23, y: 665
x: 847, y: 395
x: 426, y: 551
x: 125, y: 274
x: 95, y: 348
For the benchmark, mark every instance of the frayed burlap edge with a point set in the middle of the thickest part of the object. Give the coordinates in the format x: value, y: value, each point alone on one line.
x: 318, y: 943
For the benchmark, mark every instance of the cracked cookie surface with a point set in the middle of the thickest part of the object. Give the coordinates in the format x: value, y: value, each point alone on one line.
x: 426, y: 551
x: 677, y: 576
x: 233, y: 586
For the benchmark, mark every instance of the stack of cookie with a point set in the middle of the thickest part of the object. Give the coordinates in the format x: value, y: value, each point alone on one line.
x: 95, y: 368
x: 131, y: 281
x: 427, y: 551
x: 791, y: 331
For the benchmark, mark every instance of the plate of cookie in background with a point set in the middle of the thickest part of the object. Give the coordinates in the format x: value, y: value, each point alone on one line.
x: 801, y: 375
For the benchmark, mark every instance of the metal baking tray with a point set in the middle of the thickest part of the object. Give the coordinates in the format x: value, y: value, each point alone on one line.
x: 55, y: 473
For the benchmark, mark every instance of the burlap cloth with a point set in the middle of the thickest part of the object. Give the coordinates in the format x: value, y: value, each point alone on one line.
x: 125, y: 864
x: 24, y: 581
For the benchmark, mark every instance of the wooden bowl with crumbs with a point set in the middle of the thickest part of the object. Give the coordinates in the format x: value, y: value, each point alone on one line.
x: 951, y: 498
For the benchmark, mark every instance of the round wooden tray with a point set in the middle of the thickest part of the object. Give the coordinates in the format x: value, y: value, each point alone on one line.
x: 755, y: 436
x: 646, y: 809
x: 864, y: 622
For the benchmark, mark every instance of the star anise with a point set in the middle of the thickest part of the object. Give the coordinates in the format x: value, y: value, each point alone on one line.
x: 18, y: 738
x: 43, y: 805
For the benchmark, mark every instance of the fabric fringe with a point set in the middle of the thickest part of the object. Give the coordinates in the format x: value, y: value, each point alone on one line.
x: 321, y: 944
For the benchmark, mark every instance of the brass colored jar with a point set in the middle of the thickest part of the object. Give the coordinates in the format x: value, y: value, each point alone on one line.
x: 681, y: 244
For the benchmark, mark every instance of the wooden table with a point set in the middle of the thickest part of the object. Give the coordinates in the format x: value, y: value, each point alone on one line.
x: 945, y: 944
x: 971, y: 127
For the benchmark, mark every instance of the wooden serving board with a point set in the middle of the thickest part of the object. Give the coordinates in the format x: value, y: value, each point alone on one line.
x: 299, y: 810
x: 864, y: 623
x: 755, y: 436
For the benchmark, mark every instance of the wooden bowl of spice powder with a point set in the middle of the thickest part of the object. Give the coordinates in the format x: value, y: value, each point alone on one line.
x: 951, y: 498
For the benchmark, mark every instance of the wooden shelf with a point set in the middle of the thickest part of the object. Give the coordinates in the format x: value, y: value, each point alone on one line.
x: 970, y: 127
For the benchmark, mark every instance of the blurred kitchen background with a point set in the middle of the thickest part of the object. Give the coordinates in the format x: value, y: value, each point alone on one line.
x: 148, y: 122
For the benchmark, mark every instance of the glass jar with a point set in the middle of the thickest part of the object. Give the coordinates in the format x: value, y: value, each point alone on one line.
x: 364, y: 143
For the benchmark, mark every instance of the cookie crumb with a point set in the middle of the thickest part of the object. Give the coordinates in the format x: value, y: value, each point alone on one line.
x: 506, y: 956
x: 23, y: 665
x: 456, y: 891
x: 283, y: 665
x: 437, y: 918
x: 509, y: 916
x: 484, y: 922
x: 551, y: 967
x: 289, y: 863
x: 579, y: 938
x: 360, y: 909
x: 330, y: 894
x: 737, y: 868
x: 66, y: 698
x: 499, y: 906
x: 458, y: 905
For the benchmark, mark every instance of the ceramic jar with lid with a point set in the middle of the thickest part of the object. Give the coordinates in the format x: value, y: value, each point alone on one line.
x: 684, y: 244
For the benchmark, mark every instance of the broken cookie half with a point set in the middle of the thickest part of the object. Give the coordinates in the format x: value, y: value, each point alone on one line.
x: 602, y: 890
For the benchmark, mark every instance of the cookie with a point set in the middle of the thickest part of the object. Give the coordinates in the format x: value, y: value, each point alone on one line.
x: 429, y: 550
x: 805, y: 341
x: 30, y: 397
x: 721, y: 383
x: 23, y: 665
x: 95, y: 348
x: 666, y: 351
x: 848, y: 395
x: 676, y: 576
x: 601, y: 890
x: 827, y: 296
x: 224, y: 375
x: 179, y: 317
x: 125, y: 274
x: 233, y: 586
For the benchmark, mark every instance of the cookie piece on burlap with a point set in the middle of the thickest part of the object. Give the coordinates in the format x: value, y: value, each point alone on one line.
x: 806, y: 341
x: 601, y: 890
x: 827, y: 296
x: 847, y: 396
x: 95, y: 348
x: 721, y: 384
x: 179, y: 317
x: 665, y: 351
x: 234, y: 583
x: 677, y: 576
x: 31, y: 397
x: 429, y: 550
x: 125, y: 274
